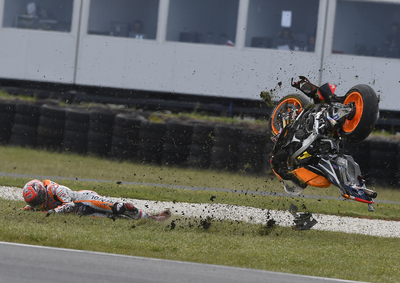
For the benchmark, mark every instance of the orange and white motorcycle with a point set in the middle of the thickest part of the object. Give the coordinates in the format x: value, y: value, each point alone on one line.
x: 308, y: 138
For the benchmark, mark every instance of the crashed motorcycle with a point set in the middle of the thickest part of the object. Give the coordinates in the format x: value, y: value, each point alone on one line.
x: 309, y: 135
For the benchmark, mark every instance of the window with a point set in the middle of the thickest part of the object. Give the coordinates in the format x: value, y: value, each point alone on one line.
x: 367, y: 29
x: 124, y: 18
x: 41, y: 15
x: 203, y: 21
x: 282, y: 24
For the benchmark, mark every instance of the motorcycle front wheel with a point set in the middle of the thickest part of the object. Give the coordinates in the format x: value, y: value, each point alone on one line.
x: 360, y: 125
x: 284, y: 112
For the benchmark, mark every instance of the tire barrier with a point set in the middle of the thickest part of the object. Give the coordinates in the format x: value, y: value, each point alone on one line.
x: 150, y: 142
x: 225, y: 148
x: 177, y: 143
x: 101, y: 126
x: 7, y: 110
x: 251, y: 151
x: 267, y: 156
x: 76, y: 130
x: 51, y: 127
x: 383, y: 165
x: 200, y: 148
x: 26, y: 121
x: 125, y: 137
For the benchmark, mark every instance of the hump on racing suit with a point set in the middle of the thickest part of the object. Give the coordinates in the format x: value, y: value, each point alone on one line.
x: 84, y: 202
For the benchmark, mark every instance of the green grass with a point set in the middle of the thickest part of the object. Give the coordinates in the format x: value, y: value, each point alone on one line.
x: 5, y: 95
x: 317, y: 253
x: 28, y: 161
x: 322, y: 206
x: 248, y: 123
x: 38, y: 162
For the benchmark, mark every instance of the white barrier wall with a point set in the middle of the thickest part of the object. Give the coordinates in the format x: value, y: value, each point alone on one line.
x: 189, y: 68
x: 40, y: 55
x: 347, y: 70
x: 174, y: 55
x: 165, y: 64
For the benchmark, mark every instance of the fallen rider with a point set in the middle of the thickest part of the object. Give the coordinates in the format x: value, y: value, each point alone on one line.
x: 50, y: 197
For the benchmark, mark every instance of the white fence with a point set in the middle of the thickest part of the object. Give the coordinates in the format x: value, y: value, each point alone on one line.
x: 223, y: 48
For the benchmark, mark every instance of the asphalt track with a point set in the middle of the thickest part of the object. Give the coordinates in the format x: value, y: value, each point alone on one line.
x: 26, y: 263
x: 2, y: 174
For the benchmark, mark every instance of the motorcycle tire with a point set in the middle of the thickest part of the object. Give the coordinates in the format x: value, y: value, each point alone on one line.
x: 289, y: 102
x: 363, y: 121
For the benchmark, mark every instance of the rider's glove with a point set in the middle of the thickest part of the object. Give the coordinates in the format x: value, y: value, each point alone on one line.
x: 307, y: 88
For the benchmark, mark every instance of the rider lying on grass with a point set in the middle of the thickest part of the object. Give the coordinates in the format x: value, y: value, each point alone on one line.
x: 50, y: 197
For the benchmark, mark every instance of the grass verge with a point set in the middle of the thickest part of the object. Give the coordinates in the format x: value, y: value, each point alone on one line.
x: 39, y: 162
x: 316, y: 253
x: 29, y: 161
x: 321, y: 206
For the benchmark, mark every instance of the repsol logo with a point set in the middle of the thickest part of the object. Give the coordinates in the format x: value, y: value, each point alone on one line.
x: 97, y: 198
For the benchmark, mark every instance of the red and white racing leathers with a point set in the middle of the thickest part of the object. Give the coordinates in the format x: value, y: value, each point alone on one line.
x: 61, y: 199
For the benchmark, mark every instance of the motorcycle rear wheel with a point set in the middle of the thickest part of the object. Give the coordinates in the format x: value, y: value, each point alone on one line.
x: 363, y: 121
x: 287, y: 104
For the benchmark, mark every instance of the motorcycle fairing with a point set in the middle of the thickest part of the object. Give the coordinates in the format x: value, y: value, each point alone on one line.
x: 345, y: 173
x: 329, y: 170
x: 311, y: 178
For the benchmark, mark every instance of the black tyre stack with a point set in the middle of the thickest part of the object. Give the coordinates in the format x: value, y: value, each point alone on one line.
x: 251, y: 151
x: 7, y: 110
x: 383, y: 165
x: 177, y: 143
x: 100, y: 133
x: 269, y: 146
x: 225, y: 148
x: 397, y: 176
x: 200, y: 149
x: 26, y: 120
x: 51, y: 127
x: 76, y: 130
x: 150, y: 143
x: 125, y: 137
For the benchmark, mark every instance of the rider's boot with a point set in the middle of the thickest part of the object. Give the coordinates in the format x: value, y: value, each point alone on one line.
x: 127, y: 209
x: 131, y: 211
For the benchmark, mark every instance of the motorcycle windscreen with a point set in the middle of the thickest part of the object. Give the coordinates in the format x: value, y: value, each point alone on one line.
x: 291, y: 187
x: 311, y: 179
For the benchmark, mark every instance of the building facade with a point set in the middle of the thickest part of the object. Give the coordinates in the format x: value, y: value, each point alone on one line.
x: 229, y: 48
